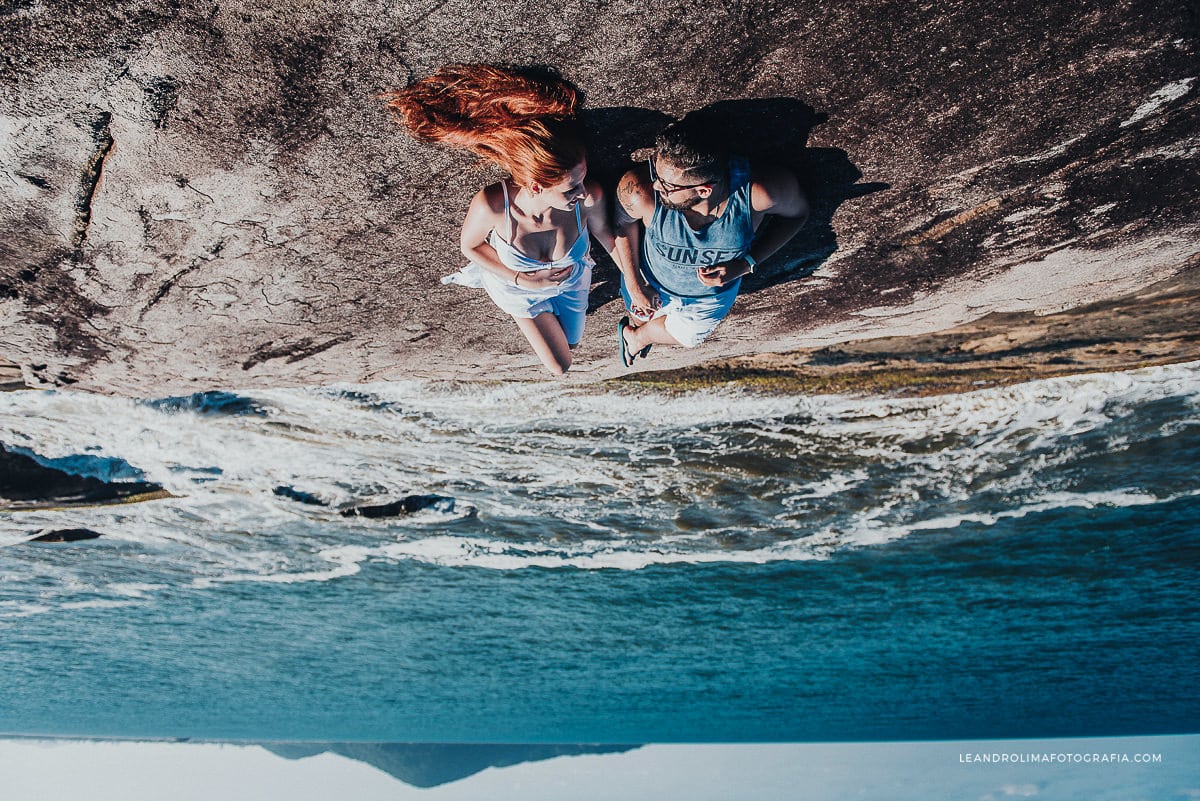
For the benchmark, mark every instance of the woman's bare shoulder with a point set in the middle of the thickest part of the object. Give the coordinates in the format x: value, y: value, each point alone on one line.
x: 487, y: 204
x: 491, y: 198
x: 485, y: 213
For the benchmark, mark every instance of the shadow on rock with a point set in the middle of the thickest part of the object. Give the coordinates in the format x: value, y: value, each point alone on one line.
x: 614, y: 136
x: 766, y: 130
x: 775, y: 130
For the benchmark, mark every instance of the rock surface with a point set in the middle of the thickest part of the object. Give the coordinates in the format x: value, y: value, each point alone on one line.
x: 1153, y: 326
x: 201, y: 195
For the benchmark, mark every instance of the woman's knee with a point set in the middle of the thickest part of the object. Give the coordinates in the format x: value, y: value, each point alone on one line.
x: 559, y: 364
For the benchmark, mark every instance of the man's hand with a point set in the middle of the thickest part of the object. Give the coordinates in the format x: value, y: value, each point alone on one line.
x: 724, y: 272
x: 643, y: 301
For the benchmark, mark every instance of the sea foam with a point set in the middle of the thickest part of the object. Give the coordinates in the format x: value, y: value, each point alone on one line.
x: 553, y: 476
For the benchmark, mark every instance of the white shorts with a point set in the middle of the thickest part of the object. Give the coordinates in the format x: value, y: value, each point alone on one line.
x: 688, y: 320
x: 567, y: 301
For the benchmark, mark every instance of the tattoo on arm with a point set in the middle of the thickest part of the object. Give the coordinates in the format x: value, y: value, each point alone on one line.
x: 623, y: 217
x: 626, y: 199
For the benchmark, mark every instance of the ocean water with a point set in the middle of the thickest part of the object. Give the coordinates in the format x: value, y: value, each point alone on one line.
x: 613, y: 566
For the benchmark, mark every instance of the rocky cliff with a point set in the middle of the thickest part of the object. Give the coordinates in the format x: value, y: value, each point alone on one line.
x: 197, y: 195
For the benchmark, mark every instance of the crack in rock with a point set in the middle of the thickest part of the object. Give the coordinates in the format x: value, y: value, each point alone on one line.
x: 293, y: 353
x: 90, y: 183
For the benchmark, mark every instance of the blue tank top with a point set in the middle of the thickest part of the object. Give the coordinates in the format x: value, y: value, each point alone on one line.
x: 672, y: 250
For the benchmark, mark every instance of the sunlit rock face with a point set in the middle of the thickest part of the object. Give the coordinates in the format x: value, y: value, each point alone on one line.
x: 199, y: 195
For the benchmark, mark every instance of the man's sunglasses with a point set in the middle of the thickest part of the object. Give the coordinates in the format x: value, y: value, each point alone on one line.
x: 667, y: 186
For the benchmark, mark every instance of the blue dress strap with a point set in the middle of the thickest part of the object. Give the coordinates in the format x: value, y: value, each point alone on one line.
x: 508, y: 218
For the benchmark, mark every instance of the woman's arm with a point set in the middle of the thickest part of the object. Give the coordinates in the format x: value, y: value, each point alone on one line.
x: 623, y: 247
x: 483, y: 215
x: 481, y: 218
x: 595, y: 210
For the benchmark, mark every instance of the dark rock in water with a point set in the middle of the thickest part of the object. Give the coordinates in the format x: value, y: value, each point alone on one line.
x: 66, y: 535
x: 210, y: 403
x: 299, y: 495
x: 26, y: 484
x: 204, y: 196
x: 413, y: 503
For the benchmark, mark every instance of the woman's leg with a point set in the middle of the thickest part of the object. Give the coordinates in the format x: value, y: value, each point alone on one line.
x: 548, y: 341
x: 570, y: 308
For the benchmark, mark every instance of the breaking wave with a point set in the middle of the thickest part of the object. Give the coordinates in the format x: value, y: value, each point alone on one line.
x: 566, y: 477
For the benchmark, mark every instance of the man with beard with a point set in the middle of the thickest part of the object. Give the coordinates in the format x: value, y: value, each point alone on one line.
x: 701, y: 211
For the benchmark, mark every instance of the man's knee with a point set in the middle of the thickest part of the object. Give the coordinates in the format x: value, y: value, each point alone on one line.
x: 688, y: 333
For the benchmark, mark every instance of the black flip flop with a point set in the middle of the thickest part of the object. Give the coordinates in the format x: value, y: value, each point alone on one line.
x: 626, y: 357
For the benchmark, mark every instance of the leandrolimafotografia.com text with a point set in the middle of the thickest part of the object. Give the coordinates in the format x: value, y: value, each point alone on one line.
x: 1034, y: 758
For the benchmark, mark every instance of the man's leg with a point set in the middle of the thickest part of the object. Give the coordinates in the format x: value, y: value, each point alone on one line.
x: 653, y: 332
x: 643, y: 333
x: 685, y: 322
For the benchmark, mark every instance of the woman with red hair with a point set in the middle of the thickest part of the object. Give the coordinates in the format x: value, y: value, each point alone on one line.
x: 526, y: 236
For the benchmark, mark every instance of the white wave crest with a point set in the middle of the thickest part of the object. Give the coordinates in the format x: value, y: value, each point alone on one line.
x: 566, y: 477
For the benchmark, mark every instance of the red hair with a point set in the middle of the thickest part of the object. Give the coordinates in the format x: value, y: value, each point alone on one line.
x: 522, y: 119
